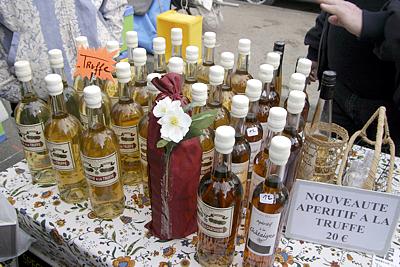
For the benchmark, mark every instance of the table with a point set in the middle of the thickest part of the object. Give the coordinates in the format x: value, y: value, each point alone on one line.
x: 70, y: 234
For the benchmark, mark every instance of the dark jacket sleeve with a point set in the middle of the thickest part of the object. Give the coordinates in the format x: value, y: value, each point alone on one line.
x: 313, y: 36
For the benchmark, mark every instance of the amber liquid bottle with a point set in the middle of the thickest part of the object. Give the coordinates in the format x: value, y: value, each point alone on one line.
x: 159, y: 63
x: 209, y: 41
x: 63, y: 132
x: 279, y: 47
x: 273, y: 59
x: 297, y: 83
x: 176, y: 42
x: 125, y: 116
x: 101, y: 160
x: 227, y: 62
x: 139, y: 91
x: 267, y: 208
x: 110, y: 87
x: 241, y: 75
x: 218, y: 206
x: 192, y: 56
x: 131, y: 39
x: 268, y: 98
x: 79, y: 82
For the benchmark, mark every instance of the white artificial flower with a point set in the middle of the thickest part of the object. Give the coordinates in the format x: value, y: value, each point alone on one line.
x: 175, y: 125
x: 162, y: 107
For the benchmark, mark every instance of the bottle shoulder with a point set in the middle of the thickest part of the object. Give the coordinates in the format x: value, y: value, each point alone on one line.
x: 36, y: 111
x: 64, y: 127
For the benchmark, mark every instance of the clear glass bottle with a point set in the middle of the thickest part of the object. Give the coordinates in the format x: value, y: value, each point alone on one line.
x: 303, y: 66
x: 199, y: 100
x: 279, y: 47
x: 192, y: 56
x: 176, y: 42
x: 70, y: 96
x: 110, y: 87
x: 242, y: 75
x: 273, y: 59
x: 132, y: 42
x: 268, y: 98
x: 139, y: 90
x: 79, y: 82
x: 101, y: 160
x: 125, y: 117
x: 209, y: 41
x: 159, y: 63
x: 296, y: 83
x: 215, y: 96
x: 295, y: 106
x: 267, y: 209
x: 227, y: 61
x: 218, y: 206
x: 275, y: 125
x: 63, y: 132
x: 31, y: 114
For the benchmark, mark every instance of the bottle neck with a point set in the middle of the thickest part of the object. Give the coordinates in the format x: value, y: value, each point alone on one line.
x: 58, y: 107
x: 266, y: 90
x: 323, y: 113
x: 227, y: 76
x: 125, y: 93
x: 293, y: 121
x: 176, y: 51
x: 140, y: 73
x: 274, y: 78
x: 95, y: 117
x: 61, y: 72
x: 215, y: 96
x: 27, y: 89
x: 253, y: 110
x: 130, y: 55
x: 238, y: 124
x: 222, y: 166
x: 208, y: 56
x: 243, y: 63
x: 196, y: 108
x: 267, y: 141
x: 160, y: 65
x: 191, y: 72
x: 151, y: 99
x: 276, y: 171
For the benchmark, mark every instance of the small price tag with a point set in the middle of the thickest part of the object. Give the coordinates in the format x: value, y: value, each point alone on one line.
x: 267, y: 198
x: 98, y: 62
x: 252, y: 131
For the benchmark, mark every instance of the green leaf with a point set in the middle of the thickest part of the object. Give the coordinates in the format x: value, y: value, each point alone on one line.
x: 113, y: 253
x: 136, y: 250
x: 129, y: 250
x: 162, y: 143
x: 113, y: 236
x: 4, y: 183
x: 193, y: 132
x: 203, y: 119
x: 46, y: 185
x: 35, y: 216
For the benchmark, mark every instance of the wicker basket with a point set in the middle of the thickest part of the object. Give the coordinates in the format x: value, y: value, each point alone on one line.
x: 320, y: 158
x: 382, y: 138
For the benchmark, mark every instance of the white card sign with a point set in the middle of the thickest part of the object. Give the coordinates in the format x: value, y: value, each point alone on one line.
x: 343, y: 217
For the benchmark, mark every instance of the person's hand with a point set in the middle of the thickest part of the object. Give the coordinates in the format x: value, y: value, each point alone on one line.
x: 313, y: 74
x: 343, y: 14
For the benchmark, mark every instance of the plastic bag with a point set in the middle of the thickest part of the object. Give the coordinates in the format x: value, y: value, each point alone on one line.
x: 14, y: 241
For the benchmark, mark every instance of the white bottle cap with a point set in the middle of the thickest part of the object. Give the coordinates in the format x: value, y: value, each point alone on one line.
x: 176, y: 36
x: 150, y: 86
x: 266, y: 73
x: 23, y: 70
x: 224, y: 139
x: 175, y: 64
x: 131, y: 39
x: 253, y: 89
x: 279, y: 150
x: 216, y: 75
x: 124, y: 74
x: 304, y: 66
x: 240, y: 106
x: 112, y: 46
x: 159, y: 45
x: 192, y: 54
x: 274, y: 59
x: 276, y: 119
x: 297, y: 82
x: 227, y: 60
x: 56, y: 59
x: 81, y: 42
x: 139, y: 56
x: 199, y: 94
x: 244, y: 46
x: 54, y: 84
x: 92, y: 96
x: 295, y: 103
x: 209, y: 39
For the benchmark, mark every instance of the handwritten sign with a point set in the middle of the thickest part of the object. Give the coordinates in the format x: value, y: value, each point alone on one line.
x: 343, y: 217
x: 98, y: 62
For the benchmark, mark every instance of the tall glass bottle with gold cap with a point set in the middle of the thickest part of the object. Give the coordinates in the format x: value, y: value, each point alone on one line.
x: 218, y: 205
x: 79, y: 82
x: 101, y: 160
x: 209, y: 41
x: 176, y: 42
x: 140, y: 92
x: 63, y: 132
x: 279, y: 47
x: 242, y: 75
x: 192, y: 56
x: 110, y: 87
x: 227, y: 61
x: 125, y: 116
x: 131, y: 39
x: 159, y: 63
x: 296, y: 83
x: 273, y: 59
x: 31, y: 114
x: 267, y: 99
x: 70, y: 96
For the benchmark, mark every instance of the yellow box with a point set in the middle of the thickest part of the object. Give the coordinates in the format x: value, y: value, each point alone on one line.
x: 191, y: 30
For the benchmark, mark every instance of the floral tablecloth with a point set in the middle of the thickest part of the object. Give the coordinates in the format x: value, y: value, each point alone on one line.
x: 71, y: 235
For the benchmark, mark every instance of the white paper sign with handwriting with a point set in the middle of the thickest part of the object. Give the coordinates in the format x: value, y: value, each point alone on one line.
x: 343, y: 217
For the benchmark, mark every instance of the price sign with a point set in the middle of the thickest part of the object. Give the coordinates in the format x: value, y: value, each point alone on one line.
x: 98, y: 62
x: 343, y: 217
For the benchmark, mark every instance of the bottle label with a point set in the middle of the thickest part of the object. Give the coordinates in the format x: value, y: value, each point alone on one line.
x: 101, y: 171
x: 253, y: 131
x: 61, y: 155
x: 32, y: 137
x: 255, y: 148
x: 241, y: 169
x: 207, y: 161
x: 263, y: 231
x: 143, y: 151
x: 84, y: 120
x: 264, y: 126
x: 255, y: 181
x: 127, y: 138
x: 214, y: 222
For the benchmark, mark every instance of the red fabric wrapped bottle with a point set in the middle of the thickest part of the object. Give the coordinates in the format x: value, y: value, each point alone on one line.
x: 173, y: 182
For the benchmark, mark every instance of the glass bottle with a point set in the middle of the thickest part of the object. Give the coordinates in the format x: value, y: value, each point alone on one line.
x: 209, y: 41
x: 267, y: 209
x: 296, y: 83
x: 79, y: 82
x: 139, y: 90
x: 101, y: 160
x: 275, y: 125
x: 63, y: 132
x: 159, y: 63
x: 215, y: 97
x: 273, y: 59
x: 268, y: 98
x: 132, y: 42
x: 70, y: 96
x: 192, y: 56
x: 125, y: 116
x: 295, y: 106
x: 218, y: 205
x: 227, y: 62
x: 303, y: 66
x: 199, y: 100
x: 143, y: 128
x: 31, y: 114
x: 176, y: 42
x: 242, y: 75
x: 279, y: 47
x: 110, y: 87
